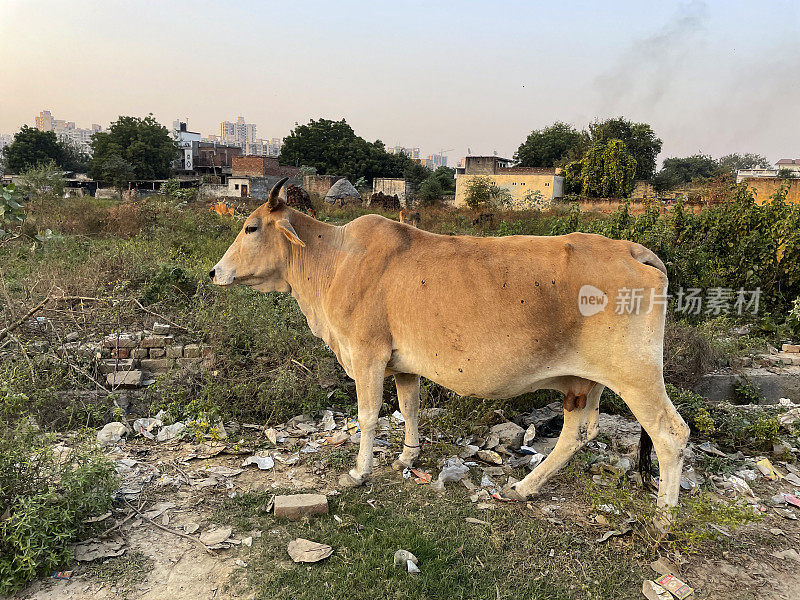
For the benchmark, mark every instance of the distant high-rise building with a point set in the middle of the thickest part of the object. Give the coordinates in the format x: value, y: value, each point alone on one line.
x: 412, y: 153
x: 66, y: 130
x: 243, y: 134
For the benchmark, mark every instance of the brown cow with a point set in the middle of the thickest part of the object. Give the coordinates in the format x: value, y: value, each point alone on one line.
x: 410, y: 217
x: 488, y: 317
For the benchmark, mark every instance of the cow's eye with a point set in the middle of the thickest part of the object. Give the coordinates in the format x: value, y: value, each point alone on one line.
x: 250, y: 229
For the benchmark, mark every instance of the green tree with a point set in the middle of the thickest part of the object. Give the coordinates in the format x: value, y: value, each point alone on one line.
x: 32, y: 147
x: 333, y: 148
x: 73, y: 157
x: 552, y: 146
x: 679, y: 171
x: 483, y: 193
x: 44, y: 178
x: 446, y: 177
x: 415, y: 173
x: 734, y: 162
x: 640, y: 140
x: 430, y: 190
x: 784, y: 173
x: 115, y: 170
x: 607, y: 170
x: 144, y: 143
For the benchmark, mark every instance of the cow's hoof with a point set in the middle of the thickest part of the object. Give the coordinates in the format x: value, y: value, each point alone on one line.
x: 510, y: 491
x: 399, y: 465
x: 348, y: 481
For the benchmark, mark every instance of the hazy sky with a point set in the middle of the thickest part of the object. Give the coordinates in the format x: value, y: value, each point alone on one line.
x: 714, y: 77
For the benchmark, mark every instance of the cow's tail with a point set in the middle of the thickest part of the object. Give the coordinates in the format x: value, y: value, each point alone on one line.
x: 647, y: 257
x: 645, y: 464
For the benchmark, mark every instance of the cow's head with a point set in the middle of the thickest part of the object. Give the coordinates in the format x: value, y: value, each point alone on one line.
x: 259, y: 256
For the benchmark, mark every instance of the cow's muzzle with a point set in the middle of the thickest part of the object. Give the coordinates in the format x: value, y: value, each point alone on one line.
x: 221, y: 276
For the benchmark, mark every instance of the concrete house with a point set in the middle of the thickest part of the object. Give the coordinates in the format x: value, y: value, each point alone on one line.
x: 525, y: 184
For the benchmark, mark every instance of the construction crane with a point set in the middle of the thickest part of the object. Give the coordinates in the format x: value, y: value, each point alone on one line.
x: 441, y: 155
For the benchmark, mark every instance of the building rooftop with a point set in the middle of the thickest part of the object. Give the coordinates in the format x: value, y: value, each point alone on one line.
x: 788, y: 161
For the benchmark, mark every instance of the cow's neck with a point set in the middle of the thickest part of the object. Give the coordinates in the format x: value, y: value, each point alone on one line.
x: 311, y: 271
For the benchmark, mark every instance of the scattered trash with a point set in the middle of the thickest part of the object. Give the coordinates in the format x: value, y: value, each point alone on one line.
x: 247, y: 541
x: 397, y: 416
x: 62, y: 575
x: 171, y: 432
x: 214, y: 537
x: 265, y: 463
x: 677, y: 587
x: 111, y: 433
x: 191, y: 528
x: 406, y: 559
x: 223, y: 471
x: 272, y: 435
x: 613, y: 533
x: 792, y: 499
x: 146, y: 426
x: 306, y: 551
x: 102, y: 517
x: 158, y: 510
x: 509, y: 434
x: 490, y: 456
x: 776, y: 531
x: 708, y: 448
x: 530, y: 434
x: 739, y: 485
x: 767, y: 470
x: 653, y: 591
x: 662, y: 566
x: 421, y: 476
x: 793, y: 479
x: 790, y: 554
x: 327, y: 423
x: 95, y: 548
x: 475, y: 521
x: 453, y: 470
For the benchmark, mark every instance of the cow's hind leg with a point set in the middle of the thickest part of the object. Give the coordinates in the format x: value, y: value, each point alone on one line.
x: 369, y: 389
x: 580, y: 426
x: 651, y: 406
x: 408, y: 398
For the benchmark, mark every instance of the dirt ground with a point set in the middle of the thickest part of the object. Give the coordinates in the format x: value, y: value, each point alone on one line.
x: 197, y: 478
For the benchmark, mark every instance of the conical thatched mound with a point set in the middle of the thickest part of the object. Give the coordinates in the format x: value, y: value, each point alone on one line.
x: 342, y: 192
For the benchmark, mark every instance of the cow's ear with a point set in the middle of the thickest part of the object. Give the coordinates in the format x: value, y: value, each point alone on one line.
x: 286, y: 228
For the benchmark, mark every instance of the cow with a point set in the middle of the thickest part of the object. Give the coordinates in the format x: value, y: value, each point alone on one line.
x: 410, y: 217
x: 482, y: 316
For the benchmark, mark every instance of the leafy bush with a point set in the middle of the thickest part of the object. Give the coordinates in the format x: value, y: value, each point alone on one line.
x: 11, y: 212
x: 169, y: 282
x: 45, y: 501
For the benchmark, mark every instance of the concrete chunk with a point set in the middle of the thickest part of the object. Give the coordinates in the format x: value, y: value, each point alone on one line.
x: 191, y: 351
x: 156, y: 341
x: 160, y: 328
x: 121, y: 340
x: 156, y: 365
x: 509, y: 434
x: 296, y: 506
x: 112, y: 365
x: 175, y: 351
x: 124, y: 379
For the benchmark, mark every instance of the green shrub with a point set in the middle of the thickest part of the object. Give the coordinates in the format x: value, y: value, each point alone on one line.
x: 45, y: 501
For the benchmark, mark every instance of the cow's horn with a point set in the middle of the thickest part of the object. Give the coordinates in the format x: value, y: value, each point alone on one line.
x: 274, y: 195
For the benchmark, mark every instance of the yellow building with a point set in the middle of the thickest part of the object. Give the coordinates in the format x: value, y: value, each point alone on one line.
x: 529, y: 187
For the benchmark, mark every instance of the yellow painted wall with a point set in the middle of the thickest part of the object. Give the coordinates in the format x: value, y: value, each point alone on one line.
x: 518, y: 185
x: 764, y: 187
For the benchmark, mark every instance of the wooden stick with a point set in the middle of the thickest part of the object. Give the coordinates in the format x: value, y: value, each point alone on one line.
x: 168, y: 530
x: 19, y: 322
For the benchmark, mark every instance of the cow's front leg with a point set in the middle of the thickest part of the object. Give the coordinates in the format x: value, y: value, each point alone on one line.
x: 369, y: 389
x: 408, y: 398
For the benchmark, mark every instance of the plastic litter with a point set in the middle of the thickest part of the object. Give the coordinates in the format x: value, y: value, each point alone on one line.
x: 95, y: 548
x: 767, y: 470
x: 453, y: 470
x: 171, y: 432
x: 327, y: 423
x: 146, y: 426
x: 653, y: 591
x: 213, y: 537
x: 111, y: 433
x: 265, y: 463
x: 62, y: 575
x: 674, y: 585
x: 530, y: 434
x: 421, y: 476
